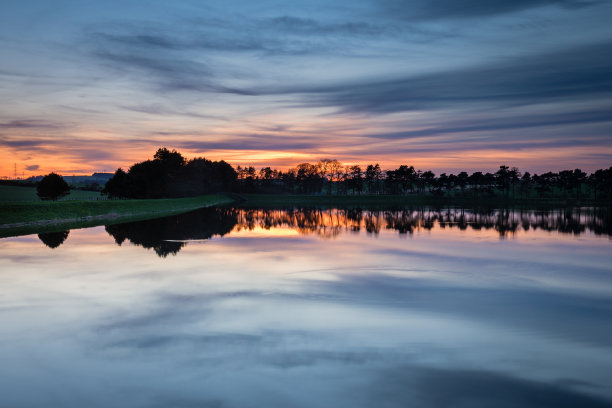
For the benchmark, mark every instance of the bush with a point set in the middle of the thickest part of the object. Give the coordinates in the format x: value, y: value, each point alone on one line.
x: 51, y: 187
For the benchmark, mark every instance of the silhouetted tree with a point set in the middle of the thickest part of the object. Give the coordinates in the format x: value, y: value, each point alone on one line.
x: 502, y: 177
x: 525, y: 183
x: 117, y: 186
x: 372, y: 177
x: 51, y: 187
x: 476, y: 180
x: 462, y: 180
x: 428, y: 178
x: 355, y: 179
x: 170, y: 175
x: 308, y: 178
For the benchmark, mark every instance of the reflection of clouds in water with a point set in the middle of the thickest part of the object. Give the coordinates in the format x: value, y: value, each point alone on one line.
x: 396, y: 321
x: 555, y: 315
x: 420, y: 387
x: 167, y: 236
x: 356, y: 321
x: 560, y: 316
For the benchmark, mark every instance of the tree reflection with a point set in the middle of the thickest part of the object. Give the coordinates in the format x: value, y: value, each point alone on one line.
x: 53, y: 239
x: 170, y: 234
x: 166, y: 236
x: 331, y: 222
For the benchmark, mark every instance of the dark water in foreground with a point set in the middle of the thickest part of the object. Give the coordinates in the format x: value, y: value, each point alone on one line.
x: 319, y: 308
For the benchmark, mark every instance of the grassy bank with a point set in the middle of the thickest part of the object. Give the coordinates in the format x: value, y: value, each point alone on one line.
x: 381, y: 201
x: 19, y: 194
x: 44, y: 216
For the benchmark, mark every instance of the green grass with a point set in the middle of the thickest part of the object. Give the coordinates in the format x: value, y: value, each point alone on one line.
x: 19, y: 194
x: 17, y: 218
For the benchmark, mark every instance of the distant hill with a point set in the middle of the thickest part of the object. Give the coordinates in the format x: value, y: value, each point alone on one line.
x: 94, y: 182
x: 100, y: 178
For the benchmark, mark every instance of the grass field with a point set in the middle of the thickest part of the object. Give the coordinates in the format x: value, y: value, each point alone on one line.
x: 18, y: 218
x: 20, y: 194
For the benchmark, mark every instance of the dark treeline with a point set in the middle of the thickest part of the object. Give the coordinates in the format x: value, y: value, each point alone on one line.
x: 331, y: 177
x: 169, y: 174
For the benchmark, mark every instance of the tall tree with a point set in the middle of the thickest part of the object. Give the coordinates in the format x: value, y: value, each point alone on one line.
x: 372, y: 177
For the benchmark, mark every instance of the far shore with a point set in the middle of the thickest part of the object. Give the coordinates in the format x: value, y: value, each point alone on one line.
x: 370, y: 201
x: 22, y: 218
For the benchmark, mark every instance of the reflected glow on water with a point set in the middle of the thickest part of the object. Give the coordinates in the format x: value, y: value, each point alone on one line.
x: 246, y: 308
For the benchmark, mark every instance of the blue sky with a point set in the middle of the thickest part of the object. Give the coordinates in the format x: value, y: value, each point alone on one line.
x: 443, y: 85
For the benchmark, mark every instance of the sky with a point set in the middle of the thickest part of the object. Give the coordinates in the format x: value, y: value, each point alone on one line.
x: 442, y: 85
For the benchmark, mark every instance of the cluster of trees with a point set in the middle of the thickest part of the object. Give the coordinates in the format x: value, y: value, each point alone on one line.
x: 169, y: 174
x: 331, y: 177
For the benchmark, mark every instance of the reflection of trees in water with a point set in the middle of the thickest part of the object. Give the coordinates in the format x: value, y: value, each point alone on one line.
x: 167, y: 235
x: 53, y: 239
x: 164, y: 235
x: 331, y: 222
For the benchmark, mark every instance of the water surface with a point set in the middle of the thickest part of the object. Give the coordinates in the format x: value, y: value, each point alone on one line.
x: 312, y: 308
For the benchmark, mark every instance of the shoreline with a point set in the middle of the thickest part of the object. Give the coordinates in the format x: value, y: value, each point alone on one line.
x: 366, y: 201
x: 102, y: 213
x: 24, y: 218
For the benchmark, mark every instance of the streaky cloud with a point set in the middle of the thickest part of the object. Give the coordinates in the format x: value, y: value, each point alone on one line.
x: 450, y: 9
x: 166, y: 73
x: 31, y: 123
x: 252, y: 142
x: 308, y: 26
x: 510, y: 123
x: 526, y: 80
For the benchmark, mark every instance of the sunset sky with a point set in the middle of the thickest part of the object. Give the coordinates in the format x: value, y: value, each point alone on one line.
x: 439, y: 84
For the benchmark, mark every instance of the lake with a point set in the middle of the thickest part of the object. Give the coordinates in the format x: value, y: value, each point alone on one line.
x: 238, y: 307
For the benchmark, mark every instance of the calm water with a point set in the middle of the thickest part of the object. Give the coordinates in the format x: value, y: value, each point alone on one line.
x: 336, y: 308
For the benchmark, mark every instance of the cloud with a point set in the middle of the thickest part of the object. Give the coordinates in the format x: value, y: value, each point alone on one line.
x: 140, y: 38
x: 194, y: 56
x: 168, y: 74
x: 521, y: 81
x: 31, y: 124
x: 253, y: 142
x: 32, y: 167
x: 450, y: 9
x: 503, y: 123
x: 159, y: 109
x: 308, y: 26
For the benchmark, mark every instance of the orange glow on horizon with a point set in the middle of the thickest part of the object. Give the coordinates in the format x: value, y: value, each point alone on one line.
x: 69, y: 163
x: 98, y: 151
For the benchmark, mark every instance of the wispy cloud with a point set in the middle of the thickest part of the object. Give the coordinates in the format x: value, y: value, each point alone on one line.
x: 490, y: 124
x: 449, y: 9
x: 32, y: 124
x: 520, y: 81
